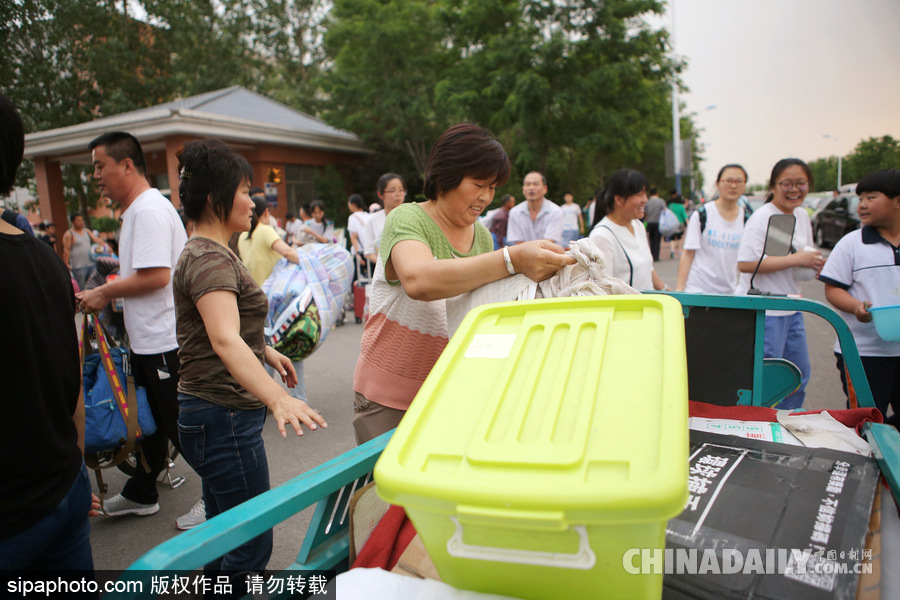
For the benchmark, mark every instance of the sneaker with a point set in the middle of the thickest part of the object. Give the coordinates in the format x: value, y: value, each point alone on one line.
x: 196, y: 516
x: 119, y: 505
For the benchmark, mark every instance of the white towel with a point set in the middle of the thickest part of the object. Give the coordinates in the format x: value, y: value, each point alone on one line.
x: 589, y: 276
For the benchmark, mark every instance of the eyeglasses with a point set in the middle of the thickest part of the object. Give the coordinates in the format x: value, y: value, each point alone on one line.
x: 789, y: 185
x: 395, y: 191
x: 733, y: 181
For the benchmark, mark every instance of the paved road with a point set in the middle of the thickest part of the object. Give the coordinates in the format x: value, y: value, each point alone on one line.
x: 119, y: 542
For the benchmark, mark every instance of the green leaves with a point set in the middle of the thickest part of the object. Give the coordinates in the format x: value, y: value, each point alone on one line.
x: 576, y: 88
x: 869, y: 155
x: 572, y: 88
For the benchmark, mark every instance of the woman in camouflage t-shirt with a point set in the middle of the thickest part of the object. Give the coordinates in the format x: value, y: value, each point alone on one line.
x: 223, y: 390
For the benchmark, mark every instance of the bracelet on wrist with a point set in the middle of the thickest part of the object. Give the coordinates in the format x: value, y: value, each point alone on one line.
x: 510, y: 268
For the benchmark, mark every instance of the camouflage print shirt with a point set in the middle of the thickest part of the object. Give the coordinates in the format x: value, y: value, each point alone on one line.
x: 206, y: 266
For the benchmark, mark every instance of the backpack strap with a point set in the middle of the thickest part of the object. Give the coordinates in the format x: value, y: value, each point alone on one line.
x: 701, y: 212
x: 630, y: 266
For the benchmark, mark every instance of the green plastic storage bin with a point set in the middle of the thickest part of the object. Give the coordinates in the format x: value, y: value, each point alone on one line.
x: 549, y: 439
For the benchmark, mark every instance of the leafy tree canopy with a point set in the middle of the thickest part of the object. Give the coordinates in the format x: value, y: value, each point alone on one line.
x: 575, y: 88
x: 868, y: 155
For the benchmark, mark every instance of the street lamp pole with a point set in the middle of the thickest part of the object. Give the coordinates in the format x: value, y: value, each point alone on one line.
x: 676, y: 138
x: 676, y: 118
x: 840, y: 158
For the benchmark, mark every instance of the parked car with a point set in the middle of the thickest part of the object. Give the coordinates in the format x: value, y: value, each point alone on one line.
x: 839, y: 217
x: 813, y: 203
x: 751, y: 203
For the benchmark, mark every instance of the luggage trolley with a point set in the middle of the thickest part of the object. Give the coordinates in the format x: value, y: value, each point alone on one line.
x: 330, y: 486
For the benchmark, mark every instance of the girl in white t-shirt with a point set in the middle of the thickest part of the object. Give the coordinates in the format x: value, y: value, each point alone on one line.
x: 785, y: 331
x: 620, y: 235
x: 709, y: 262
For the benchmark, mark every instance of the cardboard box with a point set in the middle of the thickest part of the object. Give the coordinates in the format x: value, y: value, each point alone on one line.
x: 783, y: 503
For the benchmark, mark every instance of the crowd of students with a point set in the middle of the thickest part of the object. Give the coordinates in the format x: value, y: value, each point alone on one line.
x: 206, y: 378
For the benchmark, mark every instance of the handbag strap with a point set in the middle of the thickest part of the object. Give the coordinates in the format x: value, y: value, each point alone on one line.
x: 126, y: 401
x: 625, y: 252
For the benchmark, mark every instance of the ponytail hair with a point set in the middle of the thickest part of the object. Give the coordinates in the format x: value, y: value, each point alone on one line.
x: 210, y: 174
x: 625, y: 183
x: 259, y: 207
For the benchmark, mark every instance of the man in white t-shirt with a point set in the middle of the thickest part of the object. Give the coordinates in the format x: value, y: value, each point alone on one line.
x: 150, y: 243
x: 537, y: 218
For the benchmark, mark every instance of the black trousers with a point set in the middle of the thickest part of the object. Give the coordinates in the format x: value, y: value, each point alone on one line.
x: 159, y: 374
x: 883, y: 375
x: 655, y: 239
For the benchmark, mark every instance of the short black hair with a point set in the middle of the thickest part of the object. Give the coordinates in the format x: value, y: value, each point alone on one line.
x: 74, y: 216
x: 886, y: 181
x: 464, y: 150
x: 12, y: 144
x: 210, y: 169
x: 121, y: 145
x: 316, y: 204
x: 357, y: 201
x: 257, y: 190
x: 543, y: 178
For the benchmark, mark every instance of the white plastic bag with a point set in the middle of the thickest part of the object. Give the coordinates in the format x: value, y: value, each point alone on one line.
x: 668, y: 223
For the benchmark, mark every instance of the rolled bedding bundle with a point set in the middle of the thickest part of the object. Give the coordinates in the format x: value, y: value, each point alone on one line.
x: 306, y: 299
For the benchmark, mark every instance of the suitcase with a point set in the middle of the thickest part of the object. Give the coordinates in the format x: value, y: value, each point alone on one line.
x: 359, y: 301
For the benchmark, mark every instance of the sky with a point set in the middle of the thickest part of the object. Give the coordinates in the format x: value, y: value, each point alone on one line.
x: 781, y: 74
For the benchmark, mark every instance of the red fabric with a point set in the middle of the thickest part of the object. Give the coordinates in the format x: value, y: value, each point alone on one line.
x: 852, y: 417
x: 395, y: 531
x: 388, y: 541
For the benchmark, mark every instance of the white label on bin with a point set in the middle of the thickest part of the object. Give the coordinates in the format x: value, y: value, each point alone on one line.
x: 491, y: 345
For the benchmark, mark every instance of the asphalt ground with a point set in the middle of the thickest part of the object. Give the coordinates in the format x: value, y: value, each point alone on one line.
x: 118, y: 542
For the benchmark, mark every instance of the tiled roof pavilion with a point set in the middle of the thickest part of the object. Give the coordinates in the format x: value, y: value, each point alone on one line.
x: 267, y: 133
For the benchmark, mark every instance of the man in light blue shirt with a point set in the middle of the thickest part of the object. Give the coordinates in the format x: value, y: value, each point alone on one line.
x: 537, y: 218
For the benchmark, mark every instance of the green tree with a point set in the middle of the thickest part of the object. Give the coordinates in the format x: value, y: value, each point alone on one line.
x: 386, y: 57
x: 71, y: 61
x: 870, y: 155
x: 824, y: 171
x: 575, y: 89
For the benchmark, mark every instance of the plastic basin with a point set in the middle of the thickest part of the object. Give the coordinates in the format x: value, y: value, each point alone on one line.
x: 887, y: 322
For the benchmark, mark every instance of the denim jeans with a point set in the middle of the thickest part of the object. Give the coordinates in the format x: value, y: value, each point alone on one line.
x: 298, y: 392
x: 786, y: 338
x: 225, y: 447
x: 569, y: 236
x: 61, y: 541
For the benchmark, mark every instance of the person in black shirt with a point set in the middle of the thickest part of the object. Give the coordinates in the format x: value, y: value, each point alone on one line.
x: 45, y: 498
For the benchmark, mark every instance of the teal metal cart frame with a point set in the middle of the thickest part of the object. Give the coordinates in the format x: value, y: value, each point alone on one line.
x: 331, y: 485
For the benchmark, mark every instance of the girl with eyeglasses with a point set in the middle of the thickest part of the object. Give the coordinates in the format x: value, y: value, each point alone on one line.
x: 709, y: 261
x: 785, y: 332
x: 391, y: 192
